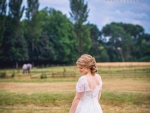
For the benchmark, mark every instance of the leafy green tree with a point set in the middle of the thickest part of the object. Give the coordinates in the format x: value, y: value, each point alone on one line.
x: 2, y: 21
x: 62, y: 45
x: 32, y: 8
x: 119, y: 42
x: 14, y: 45
x: 79, y: 15
x: 143, y: 48
x: 79, y: 11
x: 103, y: 57
x: 43, y: 49
x: 95, y: 34
x: 135, y: 31
x: 33, y: 29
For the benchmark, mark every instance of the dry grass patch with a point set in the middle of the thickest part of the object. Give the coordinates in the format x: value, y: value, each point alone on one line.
x: 119, y: 95
x: 124, y: 64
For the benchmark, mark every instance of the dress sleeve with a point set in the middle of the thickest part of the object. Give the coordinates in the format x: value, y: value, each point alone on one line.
x: 80, y: 86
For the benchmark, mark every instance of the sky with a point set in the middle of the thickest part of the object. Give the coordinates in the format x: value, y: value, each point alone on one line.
x: 102, y: 12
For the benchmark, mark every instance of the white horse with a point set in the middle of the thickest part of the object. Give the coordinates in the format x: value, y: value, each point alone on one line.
x: 26, y: 68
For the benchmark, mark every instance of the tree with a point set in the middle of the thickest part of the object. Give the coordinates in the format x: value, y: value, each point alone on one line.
x: 79, y: 14
x: 119, y: 42
x: 33, y: 30
x: 43, y: 49
x: 135, y: 31
x: 2, y: 21
x: 98, y: 49
x: 143, y: 48
x: 94, y: 34
x: 13, y: 41
x: 32, y: 9
x: 62, y: 45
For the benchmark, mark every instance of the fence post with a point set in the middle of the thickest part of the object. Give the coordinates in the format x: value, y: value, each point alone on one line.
x: 52, y: 75
x: 52, y: 68
x: 110, y: 71
x: 64, y: 71
x: 123, y: 71
x: 64, y: 74
x: 130, y: 66
x: 134, y: 71
x: 149, y: 69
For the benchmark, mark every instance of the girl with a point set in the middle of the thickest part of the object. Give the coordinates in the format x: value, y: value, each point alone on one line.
x: 88, y: 87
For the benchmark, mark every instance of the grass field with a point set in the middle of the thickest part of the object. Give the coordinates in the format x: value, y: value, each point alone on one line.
x: 23, y: 94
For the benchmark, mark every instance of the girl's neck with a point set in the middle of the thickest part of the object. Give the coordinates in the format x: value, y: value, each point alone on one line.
x: 89, y: 74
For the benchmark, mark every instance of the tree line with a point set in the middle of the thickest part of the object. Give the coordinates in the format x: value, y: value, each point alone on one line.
x: 50, y: 36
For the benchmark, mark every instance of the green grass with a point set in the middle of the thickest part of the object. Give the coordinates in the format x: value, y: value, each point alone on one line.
x: 56, y: 99
x: 38, y: 99
x: 37, y: 102
x: 116, y: 98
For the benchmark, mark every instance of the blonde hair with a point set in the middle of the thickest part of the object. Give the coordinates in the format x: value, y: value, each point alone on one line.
x: 87, y: 61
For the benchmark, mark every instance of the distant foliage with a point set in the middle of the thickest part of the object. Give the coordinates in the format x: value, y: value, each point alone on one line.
x: 48, y: 36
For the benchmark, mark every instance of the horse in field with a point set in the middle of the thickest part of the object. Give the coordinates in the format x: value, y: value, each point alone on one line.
x: 26, y: 68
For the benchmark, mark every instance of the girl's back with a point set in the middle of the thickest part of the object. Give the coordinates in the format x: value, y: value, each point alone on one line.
x: 93, y: 81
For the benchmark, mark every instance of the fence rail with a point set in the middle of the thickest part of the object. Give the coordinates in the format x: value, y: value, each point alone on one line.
x: 126, y: 69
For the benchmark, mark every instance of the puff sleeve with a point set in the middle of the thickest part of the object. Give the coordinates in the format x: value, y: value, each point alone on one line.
x: 80, y: 86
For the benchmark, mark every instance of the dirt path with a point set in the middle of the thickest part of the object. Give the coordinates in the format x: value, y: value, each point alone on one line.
x: 37, y: 87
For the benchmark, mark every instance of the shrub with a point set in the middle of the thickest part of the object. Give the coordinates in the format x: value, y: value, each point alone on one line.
x: 43, y: 76
x: 13, y: 74
x: 3, y: 75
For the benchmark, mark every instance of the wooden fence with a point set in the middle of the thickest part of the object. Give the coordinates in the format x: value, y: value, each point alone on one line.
x: 126, y: 69
x: 117, y: 69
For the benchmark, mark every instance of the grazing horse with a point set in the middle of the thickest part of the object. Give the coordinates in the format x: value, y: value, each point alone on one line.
x: 26, y: 68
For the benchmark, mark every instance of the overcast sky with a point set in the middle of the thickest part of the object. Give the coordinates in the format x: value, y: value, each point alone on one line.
x: 103, y: 12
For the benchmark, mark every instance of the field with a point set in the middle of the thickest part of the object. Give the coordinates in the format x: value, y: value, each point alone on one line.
x: 54, y: 94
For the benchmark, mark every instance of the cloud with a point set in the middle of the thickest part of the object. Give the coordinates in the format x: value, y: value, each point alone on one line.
x: 130, y: 14
x: 104, y: 12
x: 62, y: 5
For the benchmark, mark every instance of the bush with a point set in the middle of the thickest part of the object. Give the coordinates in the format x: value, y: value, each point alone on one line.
x: 64, y: 70
x: 3, y: 75
x: 13, y: 74
x: 43, y: 76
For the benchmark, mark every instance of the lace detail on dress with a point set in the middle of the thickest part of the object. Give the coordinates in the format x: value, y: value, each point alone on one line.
x: 93, y: 93
x: 89, y: 101
x: 81, y: 84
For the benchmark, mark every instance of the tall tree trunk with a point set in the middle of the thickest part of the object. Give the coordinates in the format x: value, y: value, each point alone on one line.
x: 16, y: 65
x: 32, y: 53
x: 122, y: 57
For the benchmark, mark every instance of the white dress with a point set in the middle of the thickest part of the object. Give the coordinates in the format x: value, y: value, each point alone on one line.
x: 89, y: 101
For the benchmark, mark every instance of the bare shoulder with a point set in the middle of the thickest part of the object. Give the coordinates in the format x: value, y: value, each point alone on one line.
x: 98, y: 76
x: 98, y: 79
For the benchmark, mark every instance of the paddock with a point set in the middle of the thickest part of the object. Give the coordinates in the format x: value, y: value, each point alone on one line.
x: 29, y: 93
